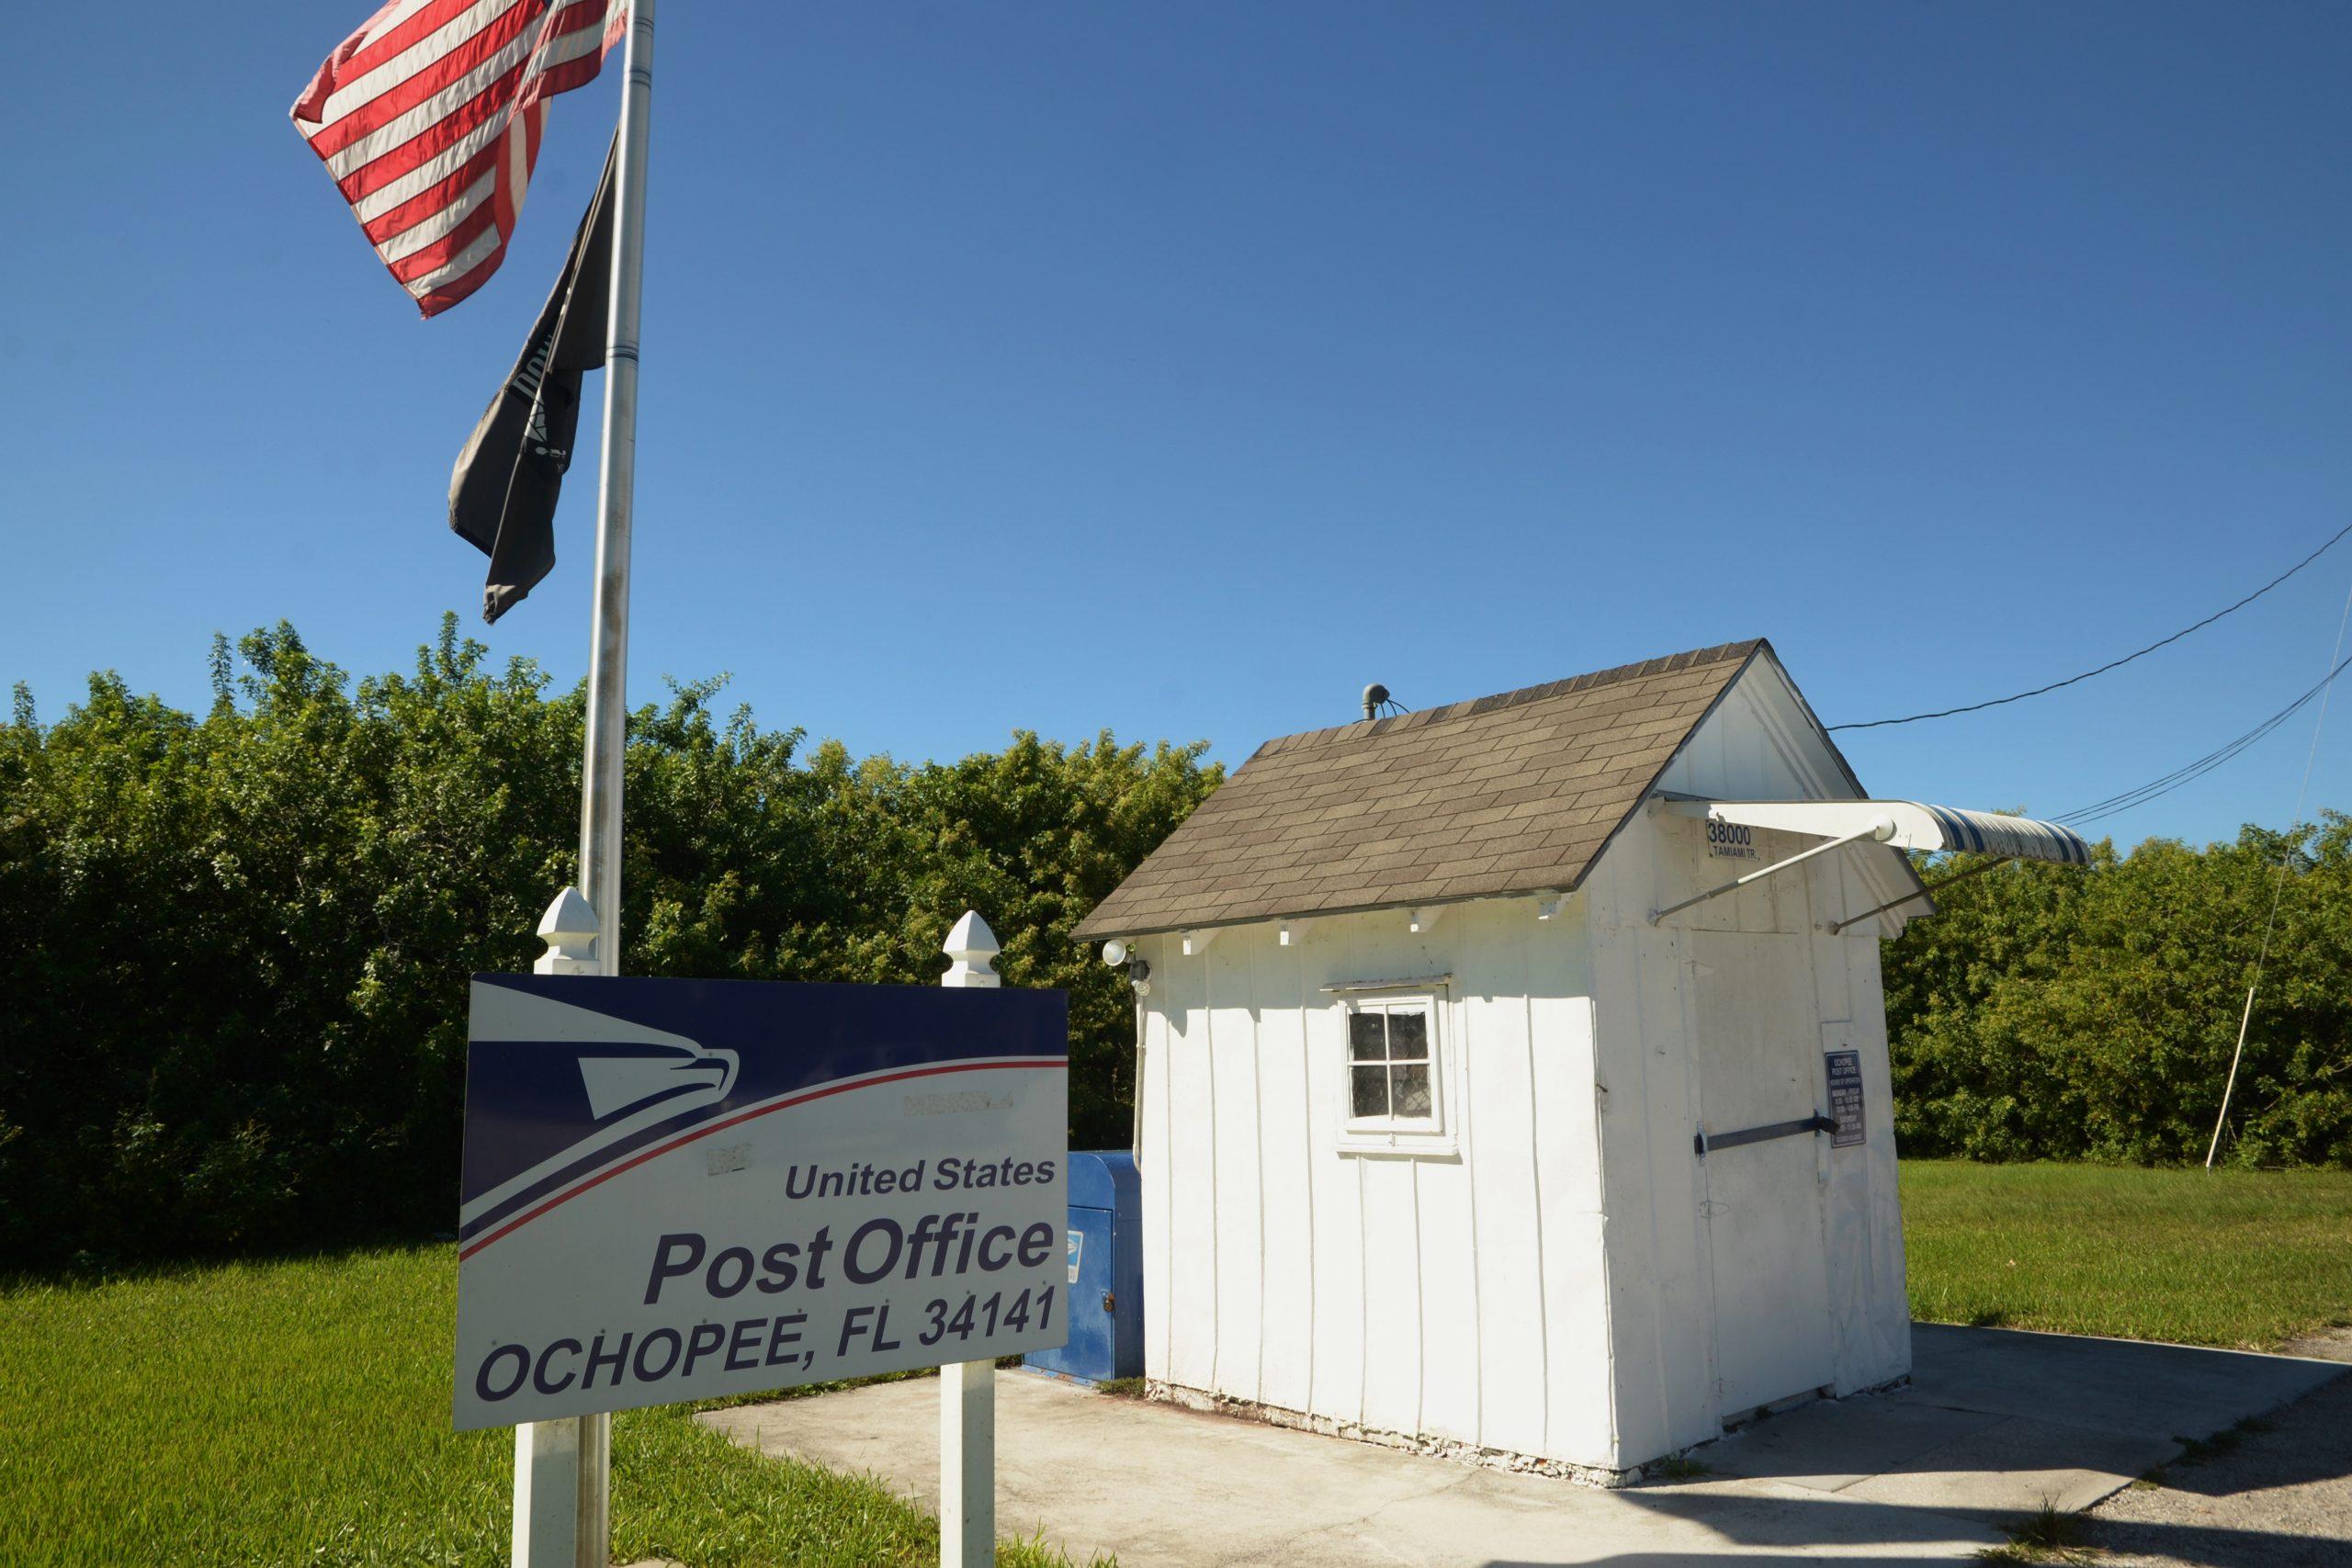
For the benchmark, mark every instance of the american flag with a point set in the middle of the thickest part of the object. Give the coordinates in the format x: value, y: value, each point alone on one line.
x: 429, y: 118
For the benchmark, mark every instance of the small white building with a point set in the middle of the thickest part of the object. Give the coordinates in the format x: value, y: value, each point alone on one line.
x: 1465, y: 1121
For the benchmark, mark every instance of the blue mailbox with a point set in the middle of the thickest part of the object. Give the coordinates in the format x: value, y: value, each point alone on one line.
x: 1105, y: 1245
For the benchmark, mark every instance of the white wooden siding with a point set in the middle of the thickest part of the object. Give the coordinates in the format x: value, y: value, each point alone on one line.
x: 1561, y: 1140
x: 1664, y: 1292
x: 1286, y: 1157
x: 1418, y: 1293
x: 1336, y: 1203
x: 1660, y: 1287
x: 1229, y: 1008
x: 1499, y: 1103
x: 1545, y: 1286
x: 1197, y: 1252
x: 1155, y: 1111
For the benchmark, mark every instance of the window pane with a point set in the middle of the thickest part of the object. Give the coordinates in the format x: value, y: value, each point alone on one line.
x: 1368, y: 1092
x: 1367, y: 1039
x: 1412, y: 1090
x: 1408, y: 1037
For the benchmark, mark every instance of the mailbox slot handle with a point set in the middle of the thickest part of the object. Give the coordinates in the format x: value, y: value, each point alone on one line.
x: 1706, y: 1140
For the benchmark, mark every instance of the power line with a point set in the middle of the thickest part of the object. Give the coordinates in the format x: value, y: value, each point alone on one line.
x: 2098, y: 809
x: 2112, y: 664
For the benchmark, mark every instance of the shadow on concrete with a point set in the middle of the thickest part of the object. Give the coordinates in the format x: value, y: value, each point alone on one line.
x: 2213, y: 1475
x: 2213, y: 1547
x: 2117, y: 1385
x: 1990, y: 1416
x: 2306, y: 1467
x: 1798, y: 1524
x: 2004, y: 1420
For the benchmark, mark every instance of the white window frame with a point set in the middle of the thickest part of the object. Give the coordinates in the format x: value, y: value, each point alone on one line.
x: 1434, y: 1134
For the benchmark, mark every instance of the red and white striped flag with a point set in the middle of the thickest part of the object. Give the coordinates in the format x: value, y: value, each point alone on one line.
x: 429, y: 118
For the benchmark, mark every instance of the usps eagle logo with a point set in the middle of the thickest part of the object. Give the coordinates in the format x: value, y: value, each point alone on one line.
x: 556, y: 1092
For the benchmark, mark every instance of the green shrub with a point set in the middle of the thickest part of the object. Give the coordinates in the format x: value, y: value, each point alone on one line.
x: 233, y: 950
x: 2051, y: 1013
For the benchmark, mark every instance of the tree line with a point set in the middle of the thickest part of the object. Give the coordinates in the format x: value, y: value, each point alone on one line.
x: 2051, y: 1013
x: 233, y: 947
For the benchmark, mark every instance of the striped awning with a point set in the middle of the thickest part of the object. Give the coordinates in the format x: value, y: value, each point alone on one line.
x: 1917, y: 826
x: 1988, y: 833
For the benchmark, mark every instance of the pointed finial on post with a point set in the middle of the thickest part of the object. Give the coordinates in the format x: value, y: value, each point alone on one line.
x: 973, y: 947
x: 569, y: 928
x: 967, y: 1388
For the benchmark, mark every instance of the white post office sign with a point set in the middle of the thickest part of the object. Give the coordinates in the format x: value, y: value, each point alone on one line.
x: 680, y: 1189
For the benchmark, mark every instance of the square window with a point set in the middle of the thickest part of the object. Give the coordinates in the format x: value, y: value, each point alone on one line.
x: 1396, y: 1095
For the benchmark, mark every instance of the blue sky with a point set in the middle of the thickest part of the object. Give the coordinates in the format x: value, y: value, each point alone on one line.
x: 1179, y: 369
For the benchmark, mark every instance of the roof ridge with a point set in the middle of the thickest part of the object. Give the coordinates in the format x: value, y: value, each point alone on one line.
x: 1471, y: 706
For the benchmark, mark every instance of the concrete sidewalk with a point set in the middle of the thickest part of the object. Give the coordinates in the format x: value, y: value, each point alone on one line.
x: 1994, y: 1422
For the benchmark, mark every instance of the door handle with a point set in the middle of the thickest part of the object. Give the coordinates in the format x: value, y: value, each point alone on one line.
x: 1704, y: 1140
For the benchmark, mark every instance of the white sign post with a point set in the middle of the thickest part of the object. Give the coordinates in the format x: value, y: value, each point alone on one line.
x: 555, y: 1472
x: 967, y: 1388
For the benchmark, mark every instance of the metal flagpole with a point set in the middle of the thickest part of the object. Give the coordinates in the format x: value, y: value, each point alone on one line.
x: 600, y: 783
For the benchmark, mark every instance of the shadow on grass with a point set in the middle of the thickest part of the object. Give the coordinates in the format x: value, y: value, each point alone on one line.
x: 88, y: 1270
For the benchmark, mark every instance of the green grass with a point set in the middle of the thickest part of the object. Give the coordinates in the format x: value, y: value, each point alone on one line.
x: 298, y: 1412
x: 2239, y: 1259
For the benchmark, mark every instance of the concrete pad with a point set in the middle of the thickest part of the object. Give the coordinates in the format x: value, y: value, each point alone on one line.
x: 2014, y: 1466
x: 1829, y: 1446
x: 1508, y: 1521
x: 1995, y: 1423
x: 1162, y: 1485
x: 2114, y: 1386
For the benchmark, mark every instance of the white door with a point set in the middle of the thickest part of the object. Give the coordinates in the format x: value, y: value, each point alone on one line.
x: 1757, y: 1050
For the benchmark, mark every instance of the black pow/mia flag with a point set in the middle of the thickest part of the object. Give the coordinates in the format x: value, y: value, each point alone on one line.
x: 502, y: 491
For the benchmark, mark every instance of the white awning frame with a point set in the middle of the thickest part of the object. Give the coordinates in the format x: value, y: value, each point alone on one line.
x: 1918, y: 825
x: 1880, y: 829
x: 1898, y: 824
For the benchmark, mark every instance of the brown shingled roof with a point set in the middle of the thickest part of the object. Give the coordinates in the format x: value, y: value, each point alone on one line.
x: 1511, y: 793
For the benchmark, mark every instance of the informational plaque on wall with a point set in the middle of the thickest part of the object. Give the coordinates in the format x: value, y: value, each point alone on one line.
x: 1846, y: 1095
